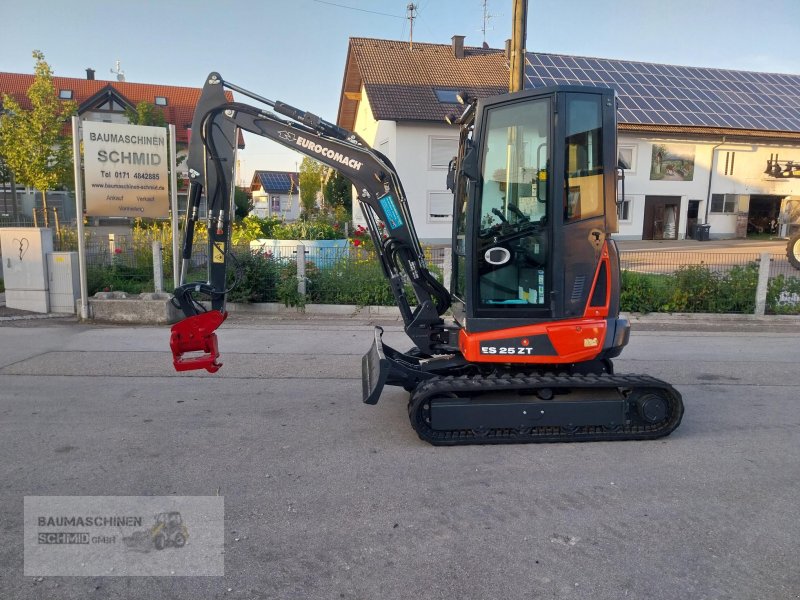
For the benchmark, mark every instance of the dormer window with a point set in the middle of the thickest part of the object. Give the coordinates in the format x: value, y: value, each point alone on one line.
x: 65, y: 94
x: 161, y: 101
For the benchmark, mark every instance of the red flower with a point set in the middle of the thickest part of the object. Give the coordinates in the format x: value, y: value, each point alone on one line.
x: 117, y: 250
x: 356, y: 242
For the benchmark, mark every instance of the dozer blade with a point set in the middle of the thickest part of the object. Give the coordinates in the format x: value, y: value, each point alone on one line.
x: 197, y: 334
x: 375, y: 369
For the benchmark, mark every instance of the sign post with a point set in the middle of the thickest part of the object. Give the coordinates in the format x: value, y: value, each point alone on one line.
x: 76, y: 153
x: 125, y: 175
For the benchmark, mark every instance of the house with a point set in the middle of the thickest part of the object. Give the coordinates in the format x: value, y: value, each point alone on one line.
x: 696, y: 143
x: 397, y: 99
x: 700, y: 146
x: 106, y: 101
x: 276, y: 194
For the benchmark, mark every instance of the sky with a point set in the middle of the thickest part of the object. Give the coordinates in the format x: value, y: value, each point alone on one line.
x: 295, y: 50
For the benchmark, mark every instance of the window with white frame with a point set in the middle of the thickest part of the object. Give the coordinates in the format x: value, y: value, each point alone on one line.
x: 275, y: 204
x: 440, y: 207
x: 442, y: 151
x: 724, y: 203
x: 626, y: 157
x: 625, y: 210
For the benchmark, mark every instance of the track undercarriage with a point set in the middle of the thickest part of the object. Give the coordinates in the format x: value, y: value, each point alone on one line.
x: 457, y: 403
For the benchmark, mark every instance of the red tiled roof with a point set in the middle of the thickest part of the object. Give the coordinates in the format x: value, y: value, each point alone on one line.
x: 401, y: 82
x: 181, y: 101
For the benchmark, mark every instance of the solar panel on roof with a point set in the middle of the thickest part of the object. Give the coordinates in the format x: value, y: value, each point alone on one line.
x: 273, y: 181
x: 658, y: 94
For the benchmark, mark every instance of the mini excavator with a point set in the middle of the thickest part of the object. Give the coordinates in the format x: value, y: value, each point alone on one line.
x: 534, y: 296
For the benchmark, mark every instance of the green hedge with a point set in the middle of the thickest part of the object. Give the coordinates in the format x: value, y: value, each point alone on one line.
x: 698, y: 289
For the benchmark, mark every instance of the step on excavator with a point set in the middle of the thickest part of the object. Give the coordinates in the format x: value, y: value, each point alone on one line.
x: 535, y: 290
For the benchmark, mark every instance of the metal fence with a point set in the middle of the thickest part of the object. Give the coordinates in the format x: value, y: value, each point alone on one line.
x: 672, y: 281
x: 644, y: 261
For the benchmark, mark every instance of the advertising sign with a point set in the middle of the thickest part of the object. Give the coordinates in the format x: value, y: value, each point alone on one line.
x: 125, y: 169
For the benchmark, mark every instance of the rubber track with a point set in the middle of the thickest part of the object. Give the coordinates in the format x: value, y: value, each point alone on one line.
x: 439, y: 386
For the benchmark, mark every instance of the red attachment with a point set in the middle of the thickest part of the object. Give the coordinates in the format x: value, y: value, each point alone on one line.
x: 196, y: 334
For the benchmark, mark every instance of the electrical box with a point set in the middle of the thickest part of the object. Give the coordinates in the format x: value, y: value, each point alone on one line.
x: 24, y: 251
x: 64, y: 280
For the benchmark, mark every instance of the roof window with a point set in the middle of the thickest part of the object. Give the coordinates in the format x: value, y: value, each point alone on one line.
x: 161, y: 101
x: 65, y: 94
x: 447, y: 96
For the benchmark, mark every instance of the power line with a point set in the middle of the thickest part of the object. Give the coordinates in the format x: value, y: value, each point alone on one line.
x: 374, y: 12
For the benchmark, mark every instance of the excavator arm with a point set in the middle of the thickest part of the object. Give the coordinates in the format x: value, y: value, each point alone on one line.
x: 211, y: 164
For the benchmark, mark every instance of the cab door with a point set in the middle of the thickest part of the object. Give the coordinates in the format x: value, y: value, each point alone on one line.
x: 587, y: 130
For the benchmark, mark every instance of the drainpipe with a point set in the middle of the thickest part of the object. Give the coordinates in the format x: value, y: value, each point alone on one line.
x: 710, y: 178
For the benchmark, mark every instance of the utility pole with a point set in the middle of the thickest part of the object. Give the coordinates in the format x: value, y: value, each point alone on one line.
x: 412, y: 14
x: 518, y: 34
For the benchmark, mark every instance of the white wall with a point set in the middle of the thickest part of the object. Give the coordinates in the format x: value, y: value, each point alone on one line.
x: 424, y: 184
x: 290, y: 206
x: 408, y: 146
x: 745, y: 176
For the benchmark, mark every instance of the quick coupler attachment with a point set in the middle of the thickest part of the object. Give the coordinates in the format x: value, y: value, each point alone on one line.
x: 196, y: 334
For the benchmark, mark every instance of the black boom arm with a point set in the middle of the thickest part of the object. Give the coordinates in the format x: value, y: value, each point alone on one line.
x: 380, y: 193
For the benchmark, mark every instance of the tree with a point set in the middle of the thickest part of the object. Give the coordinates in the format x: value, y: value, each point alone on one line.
x: 310, y: 174
x: 146, y: 114
x: 31, y: 141
x: 337, y: 192
x: 242, y: 202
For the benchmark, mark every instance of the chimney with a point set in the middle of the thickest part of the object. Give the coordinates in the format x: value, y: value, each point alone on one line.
x: 508, y: 49
x: 458, y: 46
x: 90, y: 74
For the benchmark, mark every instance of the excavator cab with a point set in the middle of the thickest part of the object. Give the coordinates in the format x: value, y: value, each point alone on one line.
x: 535, y: 200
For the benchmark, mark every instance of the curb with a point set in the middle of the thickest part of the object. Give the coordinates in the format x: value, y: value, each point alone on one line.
x: 333, y: 310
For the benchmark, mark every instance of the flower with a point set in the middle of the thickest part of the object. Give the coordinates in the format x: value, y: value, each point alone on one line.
x: 356, y: 242
x: 117, y: 250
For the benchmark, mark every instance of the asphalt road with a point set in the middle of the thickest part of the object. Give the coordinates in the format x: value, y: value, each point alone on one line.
x: 328, y: 498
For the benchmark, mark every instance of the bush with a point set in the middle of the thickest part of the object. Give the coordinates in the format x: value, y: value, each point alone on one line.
x: 122, y: 278
x: 260, y: 277
x: 642, y: 292
x: 694, y: 288
x: 783, y: 296
x: 322, y: 227
x: 359, y: 282
x: 252, y: 228
x: 737, y: 290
